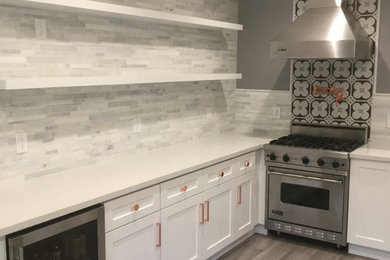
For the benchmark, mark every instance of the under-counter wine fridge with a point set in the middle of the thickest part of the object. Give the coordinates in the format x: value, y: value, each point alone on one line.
x: 78, y: 236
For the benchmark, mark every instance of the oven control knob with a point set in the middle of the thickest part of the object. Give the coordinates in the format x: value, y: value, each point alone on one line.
x: 335, y: 164
x: 286, y: 158
x: 305, y: 160
x: 272, y: 156
x: 321, y: 162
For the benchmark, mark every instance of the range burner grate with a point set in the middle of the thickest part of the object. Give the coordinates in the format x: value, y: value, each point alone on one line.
x: 315, y: 142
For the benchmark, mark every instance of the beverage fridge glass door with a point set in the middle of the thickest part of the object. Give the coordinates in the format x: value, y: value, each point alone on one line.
x: 306, y: 198
x: 75, y: 237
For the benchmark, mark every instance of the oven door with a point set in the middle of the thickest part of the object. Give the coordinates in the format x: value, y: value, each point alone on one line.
x: 306, y: 198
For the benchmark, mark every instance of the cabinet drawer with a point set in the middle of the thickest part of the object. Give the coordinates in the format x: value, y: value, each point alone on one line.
x: 218, y: 174
x: 181, y: 188
x: 136, y: 240
x: 131, y: 207
x: 246, y: 163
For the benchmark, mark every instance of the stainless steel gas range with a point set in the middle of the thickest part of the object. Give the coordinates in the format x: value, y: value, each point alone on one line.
x: 308, y: 181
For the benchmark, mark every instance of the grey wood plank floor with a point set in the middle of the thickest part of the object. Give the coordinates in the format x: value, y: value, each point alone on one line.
x: 286, y: 247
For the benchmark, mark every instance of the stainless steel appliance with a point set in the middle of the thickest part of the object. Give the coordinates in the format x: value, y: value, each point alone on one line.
x: 78, y: 236
x: 308, y: 181
x: 327, y: 29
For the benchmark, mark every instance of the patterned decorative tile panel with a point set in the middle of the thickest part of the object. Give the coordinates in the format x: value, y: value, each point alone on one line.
x: 356, y: 77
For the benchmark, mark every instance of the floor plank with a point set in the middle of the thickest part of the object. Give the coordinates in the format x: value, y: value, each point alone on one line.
x: 286, y: 247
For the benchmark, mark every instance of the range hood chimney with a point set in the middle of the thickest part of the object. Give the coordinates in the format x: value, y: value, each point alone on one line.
x: 325, y: 30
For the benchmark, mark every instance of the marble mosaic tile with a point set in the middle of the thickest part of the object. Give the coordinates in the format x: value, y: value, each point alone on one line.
x: 69, y: 128
x: 254, y: 113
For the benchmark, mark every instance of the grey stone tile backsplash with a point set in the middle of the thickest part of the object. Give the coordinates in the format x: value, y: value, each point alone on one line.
x: 69, y: 128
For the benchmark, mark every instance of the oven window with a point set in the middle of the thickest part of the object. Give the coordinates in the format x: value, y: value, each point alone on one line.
x: 305, y: 196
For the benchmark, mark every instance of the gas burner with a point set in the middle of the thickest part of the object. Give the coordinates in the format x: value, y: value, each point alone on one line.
x: 316, y: 142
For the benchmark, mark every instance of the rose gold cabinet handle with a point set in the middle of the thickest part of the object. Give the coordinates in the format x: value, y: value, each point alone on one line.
x: 247, y: 164
x: 135, y: 207
x: 239, y: 191
x: 201, y: 213
x: 159, y: 234
x: 207, y: 203
x: 221, y: 174
x: 184, y: 188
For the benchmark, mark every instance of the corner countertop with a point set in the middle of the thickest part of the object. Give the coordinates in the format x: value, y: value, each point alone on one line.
x: 375, y: 150
x: 35, y: 201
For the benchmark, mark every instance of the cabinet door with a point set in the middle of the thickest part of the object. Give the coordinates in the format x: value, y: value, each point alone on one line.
x: 245, y: 204
x: 369, y: 213
x: 217, y: 231
x: 181, y: 224
x: 137, y: 240
x: 3, y: 249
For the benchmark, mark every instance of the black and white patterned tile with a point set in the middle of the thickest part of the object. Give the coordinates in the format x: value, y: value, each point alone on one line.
x: 356, y: 77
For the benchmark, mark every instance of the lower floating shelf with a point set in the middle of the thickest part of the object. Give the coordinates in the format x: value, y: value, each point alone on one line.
x: 67, y: 82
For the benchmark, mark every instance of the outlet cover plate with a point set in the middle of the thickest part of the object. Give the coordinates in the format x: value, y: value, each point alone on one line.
x: 276, y: 113
x: 209, y: 114
x: 21, y: 143
x: 388, y: 121
x: 40, y: 29
x: 137, y: 125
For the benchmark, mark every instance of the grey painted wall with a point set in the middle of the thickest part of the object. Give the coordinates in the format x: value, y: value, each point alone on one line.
x: 262, y: 21
x: 383, y: 74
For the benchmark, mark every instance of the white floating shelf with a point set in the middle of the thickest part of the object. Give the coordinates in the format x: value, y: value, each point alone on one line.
x: 66, y: 82
x: 123, y: 12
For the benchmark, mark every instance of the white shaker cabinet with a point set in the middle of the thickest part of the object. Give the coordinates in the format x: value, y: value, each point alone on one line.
x: 196, y: 216
x: 245, y: 207
x: 181, y: 225
x: 140, y: 239
x: 3, y: 249
x: 217, y: 231
x: 369, y: 210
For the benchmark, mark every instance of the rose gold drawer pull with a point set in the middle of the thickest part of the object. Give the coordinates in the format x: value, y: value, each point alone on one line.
x: 247, y: 164
x: 239, y: 192
x: 207, y: 203
x: 184, y: 188
x: 201, y: 213
x: 221, y: 174
x: 135, y: 207
x: 159, y: 234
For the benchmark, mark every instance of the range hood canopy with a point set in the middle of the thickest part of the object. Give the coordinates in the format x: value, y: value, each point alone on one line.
x: 325, y: 30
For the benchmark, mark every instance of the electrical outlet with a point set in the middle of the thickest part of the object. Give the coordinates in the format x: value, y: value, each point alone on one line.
x: 209, y: 114
x: 21, y: 143
x: 388, y: 121
x: 40, y: 29
x: 276, y: 113
x: 137, y: 125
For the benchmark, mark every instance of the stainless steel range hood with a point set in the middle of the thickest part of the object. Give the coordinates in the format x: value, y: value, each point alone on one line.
x: 325, y: 30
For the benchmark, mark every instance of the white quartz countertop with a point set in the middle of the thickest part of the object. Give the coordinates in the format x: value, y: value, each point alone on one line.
x: 375, y: 150
x: 44, y: 198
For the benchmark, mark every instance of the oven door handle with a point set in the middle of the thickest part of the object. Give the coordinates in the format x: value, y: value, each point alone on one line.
x: 306, y: 177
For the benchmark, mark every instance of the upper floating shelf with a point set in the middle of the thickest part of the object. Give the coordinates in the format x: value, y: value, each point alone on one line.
x: 65, y: 82
x: 122, y: 12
